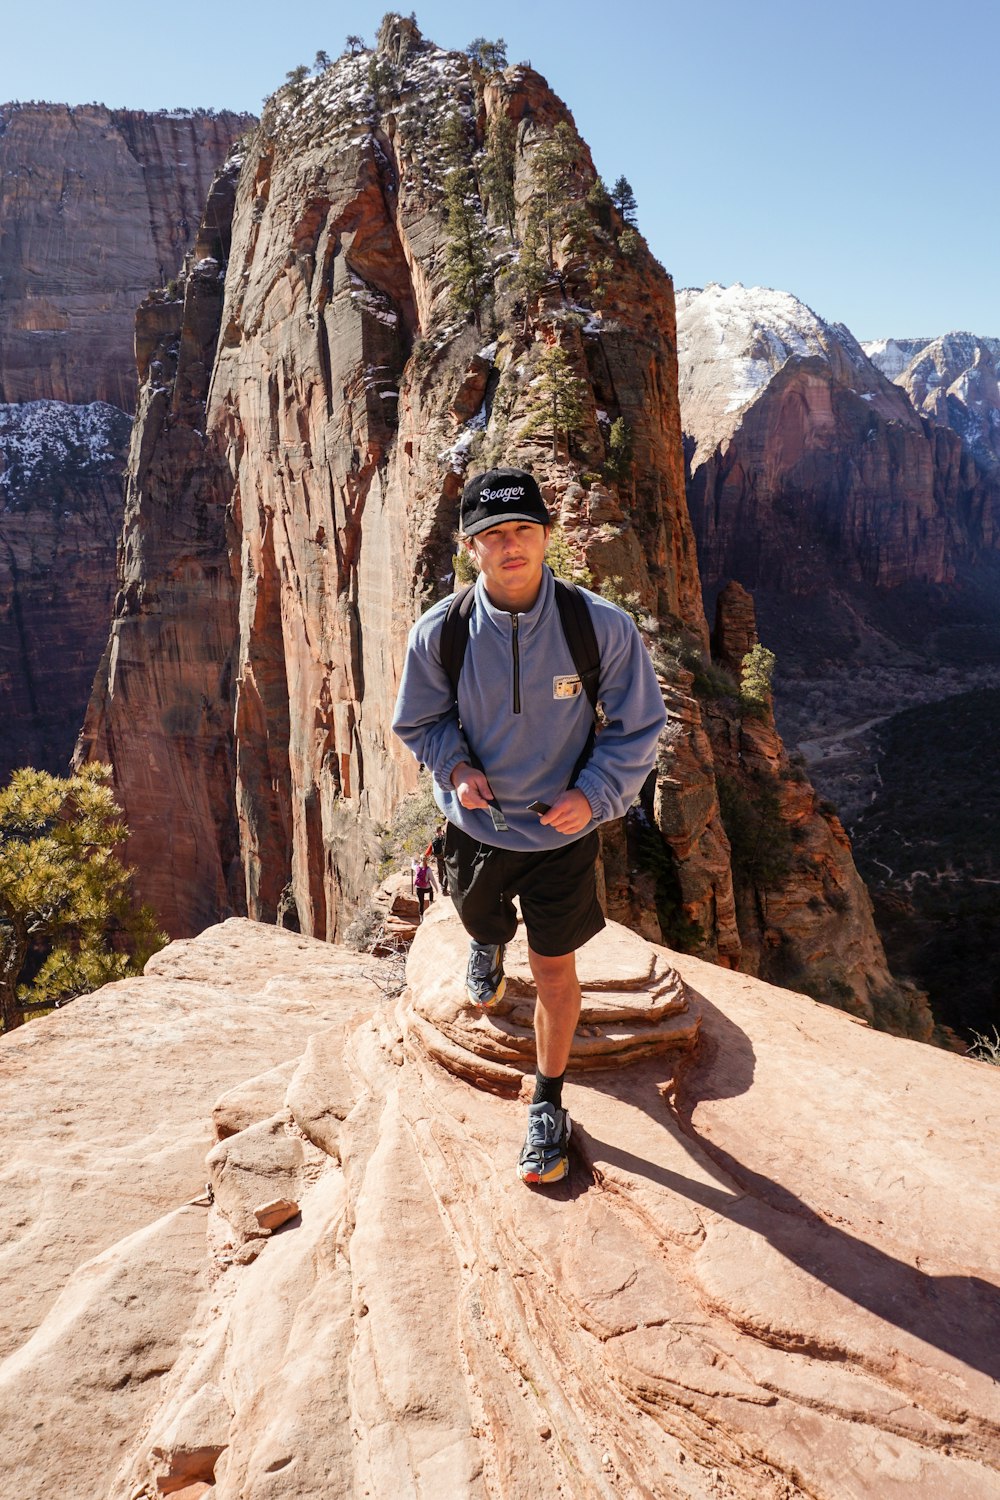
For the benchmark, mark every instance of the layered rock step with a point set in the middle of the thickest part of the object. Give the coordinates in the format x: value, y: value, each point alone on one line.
x: 634, y: 1005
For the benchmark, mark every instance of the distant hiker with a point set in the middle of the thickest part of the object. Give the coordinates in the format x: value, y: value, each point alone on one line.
x: 437, y: 849
x: 423, y: 883
x: 499, y: 698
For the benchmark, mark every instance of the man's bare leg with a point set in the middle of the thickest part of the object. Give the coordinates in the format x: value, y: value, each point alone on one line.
x: 557, y: 1010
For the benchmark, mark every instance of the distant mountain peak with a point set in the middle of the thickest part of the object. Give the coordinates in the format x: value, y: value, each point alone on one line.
x: 732, y: 341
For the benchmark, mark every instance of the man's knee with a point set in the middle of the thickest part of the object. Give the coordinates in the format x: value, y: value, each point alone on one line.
x: 554, y: 975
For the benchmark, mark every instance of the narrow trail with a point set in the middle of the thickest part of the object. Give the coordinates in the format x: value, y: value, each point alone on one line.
x: 828, y: 746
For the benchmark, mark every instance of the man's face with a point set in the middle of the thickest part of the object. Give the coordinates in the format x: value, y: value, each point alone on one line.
x: 510, y: 557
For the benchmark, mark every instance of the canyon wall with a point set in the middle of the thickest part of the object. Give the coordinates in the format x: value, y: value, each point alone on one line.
x: 96, y: 207
x: 805, y: 461
x: 292, y: 505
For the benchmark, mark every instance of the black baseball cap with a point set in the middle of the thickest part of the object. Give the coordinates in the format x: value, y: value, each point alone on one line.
x: 501, y: 495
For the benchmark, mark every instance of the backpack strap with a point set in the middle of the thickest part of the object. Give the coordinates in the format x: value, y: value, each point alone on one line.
x: 581, y: 638
x: 455, y: 633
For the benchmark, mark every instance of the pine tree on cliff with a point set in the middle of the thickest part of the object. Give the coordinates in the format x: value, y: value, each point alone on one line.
x: 490, y: 56
x: 66, y: 914
x: 467, y: 262
x: 623, y: 198
x: 562, y: 399
x: 554, y: 166
x: 498, y: 171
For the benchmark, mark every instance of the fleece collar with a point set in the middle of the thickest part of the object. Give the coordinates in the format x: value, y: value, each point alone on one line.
x: 526, y: 620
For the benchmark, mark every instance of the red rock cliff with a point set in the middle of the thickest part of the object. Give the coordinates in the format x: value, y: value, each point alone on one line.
x: 343, y: 400
x: 807, y: 463
x: 96, y: 206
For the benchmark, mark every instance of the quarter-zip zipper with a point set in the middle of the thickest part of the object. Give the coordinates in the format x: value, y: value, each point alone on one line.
x: 517, y: 666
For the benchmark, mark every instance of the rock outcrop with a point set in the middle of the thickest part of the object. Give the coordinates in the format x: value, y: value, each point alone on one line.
x: 96, y: 207
x: 804, y: 915
x: 761, y: 1279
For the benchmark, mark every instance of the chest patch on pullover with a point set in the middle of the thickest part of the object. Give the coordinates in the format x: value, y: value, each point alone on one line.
x: 566, y: 687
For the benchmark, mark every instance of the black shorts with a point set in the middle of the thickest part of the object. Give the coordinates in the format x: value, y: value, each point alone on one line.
x: 557, y: 888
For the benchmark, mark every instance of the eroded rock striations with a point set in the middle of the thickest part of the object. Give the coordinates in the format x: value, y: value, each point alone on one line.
x: 761, y: 1279
x: 96, y: 207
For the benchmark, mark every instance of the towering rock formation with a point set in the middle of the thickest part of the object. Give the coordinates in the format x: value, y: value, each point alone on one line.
x: 96, y: 207
x: 291, y: 507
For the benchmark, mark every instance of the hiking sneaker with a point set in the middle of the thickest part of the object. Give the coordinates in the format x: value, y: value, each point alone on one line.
x: 484, y: 978
x: 545, y: 1153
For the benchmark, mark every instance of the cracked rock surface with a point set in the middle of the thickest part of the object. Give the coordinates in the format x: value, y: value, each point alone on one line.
x: 772, y: 1271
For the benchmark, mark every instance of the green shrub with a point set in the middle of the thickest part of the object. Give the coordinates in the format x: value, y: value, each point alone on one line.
x: 613, y: 590
x: 412, y: 827
x: 563, y: 562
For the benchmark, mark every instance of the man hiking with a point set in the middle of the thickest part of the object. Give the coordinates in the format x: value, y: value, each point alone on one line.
x: 518, y: 770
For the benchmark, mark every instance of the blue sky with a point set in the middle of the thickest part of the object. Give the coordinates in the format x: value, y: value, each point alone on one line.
x: 846, y: 153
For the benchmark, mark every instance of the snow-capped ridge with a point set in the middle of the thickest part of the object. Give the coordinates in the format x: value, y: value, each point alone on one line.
x: 732, y: 341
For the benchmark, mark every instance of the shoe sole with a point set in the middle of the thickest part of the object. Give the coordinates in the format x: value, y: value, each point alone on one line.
x: 554, y: 1174
x: 489, y: 1004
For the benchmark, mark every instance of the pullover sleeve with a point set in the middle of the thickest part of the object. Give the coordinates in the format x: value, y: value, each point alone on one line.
x: 624, y: 750
x: 426, y: 714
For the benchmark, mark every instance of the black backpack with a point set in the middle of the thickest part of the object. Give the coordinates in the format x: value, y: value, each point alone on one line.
x: 577, y: 627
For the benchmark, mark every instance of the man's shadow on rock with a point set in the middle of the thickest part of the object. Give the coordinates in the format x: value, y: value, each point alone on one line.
x: 959, y: 1315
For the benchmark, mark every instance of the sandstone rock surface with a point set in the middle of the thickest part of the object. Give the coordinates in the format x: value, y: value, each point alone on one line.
x: 772, y: 1271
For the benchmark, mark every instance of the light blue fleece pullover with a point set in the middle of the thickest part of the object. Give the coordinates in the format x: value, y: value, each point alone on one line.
x: 512, y: 714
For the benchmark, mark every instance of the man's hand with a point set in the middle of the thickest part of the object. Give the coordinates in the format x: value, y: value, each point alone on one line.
x: 471, y: 785
x: 569, y: 812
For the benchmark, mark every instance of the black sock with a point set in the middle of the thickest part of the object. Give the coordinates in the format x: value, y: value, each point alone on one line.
x: 548, y: 1090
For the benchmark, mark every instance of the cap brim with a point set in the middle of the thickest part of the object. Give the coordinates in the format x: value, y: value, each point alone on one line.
x: 488, y: 521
